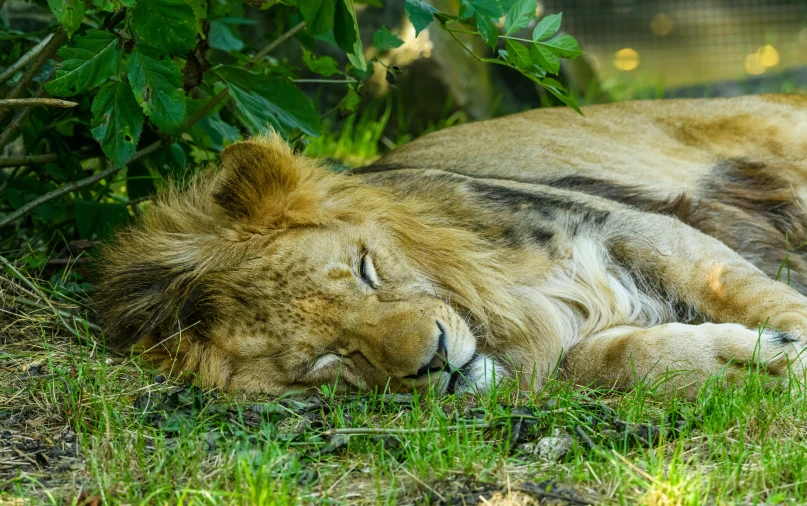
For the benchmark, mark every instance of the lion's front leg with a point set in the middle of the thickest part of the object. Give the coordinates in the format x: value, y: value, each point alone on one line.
x: 705, y: 274
x: 679, y: 357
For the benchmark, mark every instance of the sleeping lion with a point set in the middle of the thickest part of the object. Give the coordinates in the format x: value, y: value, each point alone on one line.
x: 655, y: 241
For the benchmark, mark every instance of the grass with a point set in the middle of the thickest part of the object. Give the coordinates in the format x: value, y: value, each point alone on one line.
x: 360, y: 139
x: 77, y: 426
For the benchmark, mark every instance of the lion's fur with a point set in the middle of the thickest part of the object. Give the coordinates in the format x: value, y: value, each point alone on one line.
x: 531, y: 235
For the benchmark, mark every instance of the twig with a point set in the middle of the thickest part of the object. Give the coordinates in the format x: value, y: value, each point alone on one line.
x: 24, y: 58
x: 14, y: 103
x: 51, y: 47
x: 580, y: 432
x: 325, y: 81
x: 201, y: 113
x: 278, y: 41
x: 74, y: 186
x: 16, y: 123
x: 15, y: 161
x: 375, y: 430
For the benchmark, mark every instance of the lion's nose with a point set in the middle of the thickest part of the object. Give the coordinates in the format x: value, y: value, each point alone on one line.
x: 440, y: 359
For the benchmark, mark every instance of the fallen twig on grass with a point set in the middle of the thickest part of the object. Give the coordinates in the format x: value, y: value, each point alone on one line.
x: 376, y: 430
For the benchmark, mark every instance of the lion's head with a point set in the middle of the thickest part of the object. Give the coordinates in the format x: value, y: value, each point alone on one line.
x: 275, y: 274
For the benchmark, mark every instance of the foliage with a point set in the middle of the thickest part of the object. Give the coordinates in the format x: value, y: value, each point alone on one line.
x: 162, y: 85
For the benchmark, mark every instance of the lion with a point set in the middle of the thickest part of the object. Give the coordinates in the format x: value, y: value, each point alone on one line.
x: 654, y: 241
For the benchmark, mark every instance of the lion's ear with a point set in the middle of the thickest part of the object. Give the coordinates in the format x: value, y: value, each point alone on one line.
x: 263, y: 184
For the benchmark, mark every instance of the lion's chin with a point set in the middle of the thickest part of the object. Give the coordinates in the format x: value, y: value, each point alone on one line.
x: 480, y: 374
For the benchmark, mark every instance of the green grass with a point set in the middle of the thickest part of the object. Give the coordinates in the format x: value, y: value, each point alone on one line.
x: 127, y: 438
x: 360, y: 138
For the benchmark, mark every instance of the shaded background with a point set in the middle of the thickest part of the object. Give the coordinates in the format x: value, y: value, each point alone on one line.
x: 633, y: 49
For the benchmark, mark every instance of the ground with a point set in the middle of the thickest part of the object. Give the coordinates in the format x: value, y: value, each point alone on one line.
x: 78, y: 426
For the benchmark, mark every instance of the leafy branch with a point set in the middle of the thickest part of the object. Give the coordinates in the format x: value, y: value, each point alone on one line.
x: 91, y: 180
x: 536, y: 60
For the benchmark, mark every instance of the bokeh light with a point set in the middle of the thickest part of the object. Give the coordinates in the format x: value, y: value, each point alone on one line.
x: 626, y: 59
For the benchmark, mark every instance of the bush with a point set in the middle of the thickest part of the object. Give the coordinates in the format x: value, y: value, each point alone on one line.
x: 144, y: 89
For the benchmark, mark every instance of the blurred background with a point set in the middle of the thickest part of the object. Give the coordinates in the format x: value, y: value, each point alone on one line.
x: 634, y: 49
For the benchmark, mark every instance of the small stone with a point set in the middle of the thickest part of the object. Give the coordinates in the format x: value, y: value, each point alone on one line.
x: 550, y: 448
x: 159, y: 378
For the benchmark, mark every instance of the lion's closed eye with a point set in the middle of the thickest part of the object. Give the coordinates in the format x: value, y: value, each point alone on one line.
x: 367, y: 271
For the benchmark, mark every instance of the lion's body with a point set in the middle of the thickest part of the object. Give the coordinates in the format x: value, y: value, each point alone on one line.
x: 509, y: 244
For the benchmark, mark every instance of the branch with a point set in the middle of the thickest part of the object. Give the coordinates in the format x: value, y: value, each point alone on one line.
x: 325, y: 81
x: 16, y: 161
x: 74, y: 186
x: 278, y: 41
x: 35, y: 102
x: 24, y: 58
x: 374, y: 430
x: 201, y: 113
x: 16, y: 123
x: 51, y: 47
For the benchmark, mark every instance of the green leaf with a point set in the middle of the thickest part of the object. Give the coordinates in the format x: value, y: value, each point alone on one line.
x: 69, y: 13
x: 104, y: 5
x: 547, y: 27
x: 200, y: 12
x: 420, y: 14
x: 157, y: 86
x: 346, y: 33
x: 488, y: 31
x: 551, y: 83
x: 544, y: 58
x: 518, y: 55
x: 491, y: 9
x: 98, y: 218
x: 212, y: 132
x: 117, y: 121
x: 266, y: 101
x: 519, y: 16
x: 90, y: 62
x: 169, y: 25
x: 466, y: 10
x: 318, y: 14
x: 324, y: 65
x: 557, y: 90
x: 384, y: 40
x: 222, y: 38
x: 564, y: 46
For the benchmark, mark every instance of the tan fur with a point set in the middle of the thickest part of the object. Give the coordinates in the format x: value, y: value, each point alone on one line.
x: 607, y: 239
